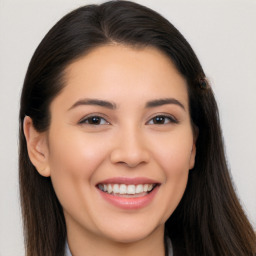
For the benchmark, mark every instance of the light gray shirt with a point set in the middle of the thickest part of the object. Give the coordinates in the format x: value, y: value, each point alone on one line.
x: 169, y: 243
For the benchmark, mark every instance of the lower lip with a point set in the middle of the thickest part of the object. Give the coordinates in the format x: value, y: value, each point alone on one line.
x: 132, y: 203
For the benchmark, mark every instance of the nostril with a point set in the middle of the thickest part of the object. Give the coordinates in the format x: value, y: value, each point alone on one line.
x: 129, y: 159
x: 129, y: 163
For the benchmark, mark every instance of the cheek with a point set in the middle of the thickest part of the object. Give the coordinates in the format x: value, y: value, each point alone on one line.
x: 75, y: 153
x: 173, y: 157
x: 175, y: 165
x: 173, y: 153
x: 73, y: 160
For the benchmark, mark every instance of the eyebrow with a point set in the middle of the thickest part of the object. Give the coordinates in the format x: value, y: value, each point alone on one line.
x: 95, y: 102
x: 161, y: 102
x: 110, y: 105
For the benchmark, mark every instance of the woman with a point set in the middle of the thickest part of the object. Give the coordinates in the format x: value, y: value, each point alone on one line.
x: 120, y: 143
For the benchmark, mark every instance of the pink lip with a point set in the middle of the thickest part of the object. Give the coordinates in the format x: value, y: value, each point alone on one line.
x: 132, y: 203
x: 127, y: 181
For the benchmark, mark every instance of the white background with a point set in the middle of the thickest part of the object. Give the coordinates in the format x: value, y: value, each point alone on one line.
x: 223, y: 35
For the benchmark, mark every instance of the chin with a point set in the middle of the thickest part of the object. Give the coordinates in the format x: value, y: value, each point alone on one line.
x: 133, y: 233
x: 129, y: 237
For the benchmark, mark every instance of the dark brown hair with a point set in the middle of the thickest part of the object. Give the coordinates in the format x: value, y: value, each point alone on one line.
x: 209, y: 219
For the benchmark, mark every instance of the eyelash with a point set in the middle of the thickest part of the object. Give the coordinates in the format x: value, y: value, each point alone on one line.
x: 97, y: 120
x: 164, y: 119
x: 90, y: 119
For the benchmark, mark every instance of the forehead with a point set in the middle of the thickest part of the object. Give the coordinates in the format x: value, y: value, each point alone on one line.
x: 118, y: 55
x: 116, y: 71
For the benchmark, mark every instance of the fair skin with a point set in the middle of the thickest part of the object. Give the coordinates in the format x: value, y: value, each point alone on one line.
x: 122, y: 118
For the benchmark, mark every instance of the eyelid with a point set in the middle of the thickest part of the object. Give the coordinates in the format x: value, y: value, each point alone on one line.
x: 83, y: 120
x: 173, y: 120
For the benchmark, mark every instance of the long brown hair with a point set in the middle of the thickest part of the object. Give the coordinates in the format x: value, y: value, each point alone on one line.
x: 209, y: 219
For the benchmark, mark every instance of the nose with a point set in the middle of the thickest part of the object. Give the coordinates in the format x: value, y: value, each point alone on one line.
x: 130, y: 149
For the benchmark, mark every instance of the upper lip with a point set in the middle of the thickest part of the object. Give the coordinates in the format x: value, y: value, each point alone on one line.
x: 128, y: 181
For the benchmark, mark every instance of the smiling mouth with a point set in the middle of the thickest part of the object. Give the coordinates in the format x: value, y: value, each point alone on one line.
x: 123, y: 190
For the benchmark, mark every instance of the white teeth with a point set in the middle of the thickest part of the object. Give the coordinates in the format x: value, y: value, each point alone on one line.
x: 150, y: 186
x: 123, y: 189
x: 115, y: 189
x: 131, y: 189
x: 109, y: 189
x: 139, y: 189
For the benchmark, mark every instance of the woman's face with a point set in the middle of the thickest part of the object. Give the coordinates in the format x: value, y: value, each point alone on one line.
x: 120, y: 124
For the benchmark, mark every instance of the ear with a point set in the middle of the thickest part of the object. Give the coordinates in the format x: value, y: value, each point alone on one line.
x: 37, y: 147
x: 193, y: 149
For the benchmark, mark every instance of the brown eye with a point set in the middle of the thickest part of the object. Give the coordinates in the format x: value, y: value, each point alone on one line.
x: 162, y: 119
x: 94, y: 120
